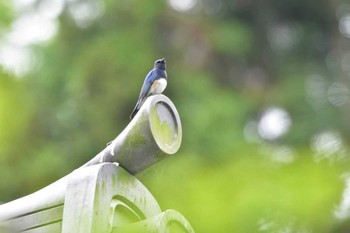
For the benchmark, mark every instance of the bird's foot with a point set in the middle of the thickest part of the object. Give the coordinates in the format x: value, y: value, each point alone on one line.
x: 109, y: 143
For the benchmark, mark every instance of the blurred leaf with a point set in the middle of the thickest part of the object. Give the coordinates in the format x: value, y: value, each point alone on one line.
x: 232, y: 38
x: 6, y: 14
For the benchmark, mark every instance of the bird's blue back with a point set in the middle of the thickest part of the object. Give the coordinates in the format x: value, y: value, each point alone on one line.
x: 153, y: 75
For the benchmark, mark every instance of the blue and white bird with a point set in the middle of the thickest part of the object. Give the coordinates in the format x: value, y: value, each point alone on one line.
x: 155, y: 83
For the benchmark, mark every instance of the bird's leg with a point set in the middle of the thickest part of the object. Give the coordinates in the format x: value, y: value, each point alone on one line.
x: 109, y: 143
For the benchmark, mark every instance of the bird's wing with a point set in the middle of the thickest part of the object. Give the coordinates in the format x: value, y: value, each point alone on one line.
x: 151, y: 76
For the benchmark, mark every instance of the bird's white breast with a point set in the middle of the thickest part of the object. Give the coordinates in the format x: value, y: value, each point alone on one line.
x: 158, y: 86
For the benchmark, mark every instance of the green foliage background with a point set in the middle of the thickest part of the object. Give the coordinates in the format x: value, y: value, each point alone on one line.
x: 228, y: 61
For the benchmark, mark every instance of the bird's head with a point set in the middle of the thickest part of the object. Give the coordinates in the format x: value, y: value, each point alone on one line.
x: 160, y: 64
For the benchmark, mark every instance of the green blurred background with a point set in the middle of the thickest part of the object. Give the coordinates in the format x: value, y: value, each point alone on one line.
x: 262, y: 88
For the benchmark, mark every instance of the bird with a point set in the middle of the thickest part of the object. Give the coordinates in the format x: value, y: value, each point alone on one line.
x: 154, y: 83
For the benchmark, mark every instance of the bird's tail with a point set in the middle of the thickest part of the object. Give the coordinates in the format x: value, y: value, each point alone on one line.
x: 134, y: 113
x: 136, y: 109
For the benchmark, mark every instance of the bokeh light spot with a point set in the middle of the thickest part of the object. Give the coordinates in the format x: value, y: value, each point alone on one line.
x: 283, y: 154
x: 32, y: 29
x: 344, y: 25
x: 26, y: 30
x: 16, y: 60
x: 342, y: 211
x: 85, y: 13
x: 182, y: 5
x: 338, y: 94
x: 274, y: 123
x: 327, y: 145
x: 283, y: 37
x: 51, y: 9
